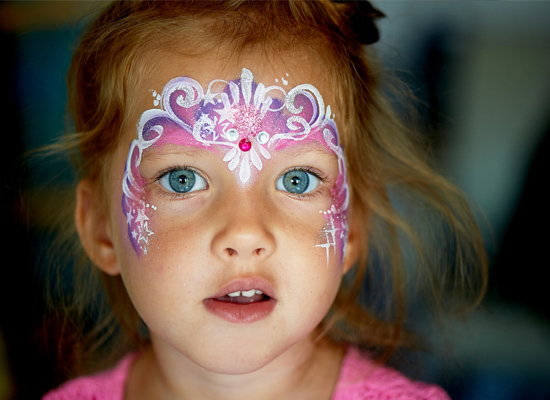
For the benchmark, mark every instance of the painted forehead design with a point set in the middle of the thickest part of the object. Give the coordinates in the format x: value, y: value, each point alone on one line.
x: 247, y: 120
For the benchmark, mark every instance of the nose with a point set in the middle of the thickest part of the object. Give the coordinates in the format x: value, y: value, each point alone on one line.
x: 245, y: 234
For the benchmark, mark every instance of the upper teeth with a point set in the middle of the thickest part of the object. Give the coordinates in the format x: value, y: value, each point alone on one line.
x: 245, y: 293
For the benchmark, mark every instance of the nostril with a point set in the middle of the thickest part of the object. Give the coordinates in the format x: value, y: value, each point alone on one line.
x: 232, y: 252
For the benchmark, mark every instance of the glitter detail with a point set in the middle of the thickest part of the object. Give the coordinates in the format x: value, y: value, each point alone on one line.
x: 245, y: 145
x: 248, y: 119
x: 186, y: 101
x: 329, y: 231
x: 138, y: 225
x: 334, y: 231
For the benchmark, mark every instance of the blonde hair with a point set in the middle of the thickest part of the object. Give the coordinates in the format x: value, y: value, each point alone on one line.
x: 388, y: 175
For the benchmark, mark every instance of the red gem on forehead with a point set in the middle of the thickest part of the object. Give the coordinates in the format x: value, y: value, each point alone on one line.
x: 245, y: 145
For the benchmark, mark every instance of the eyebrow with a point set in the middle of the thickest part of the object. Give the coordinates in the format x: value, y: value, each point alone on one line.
x: 156, y: 153
x: 307, y: 147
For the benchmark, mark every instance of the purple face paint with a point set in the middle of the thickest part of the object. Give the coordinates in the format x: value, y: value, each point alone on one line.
x: 247, y: 121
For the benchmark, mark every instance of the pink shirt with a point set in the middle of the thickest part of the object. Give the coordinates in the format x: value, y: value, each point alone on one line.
x: 360, y: 379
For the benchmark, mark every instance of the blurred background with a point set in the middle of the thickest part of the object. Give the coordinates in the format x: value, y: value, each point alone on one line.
x: 480, y: 75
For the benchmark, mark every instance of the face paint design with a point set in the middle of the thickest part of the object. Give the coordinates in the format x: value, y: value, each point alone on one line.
x: 335, y: 231
x: 244, y: 120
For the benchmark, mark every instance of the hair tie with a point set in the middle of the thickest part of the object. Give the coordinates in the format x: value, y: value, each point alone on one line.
x: 361, y: 17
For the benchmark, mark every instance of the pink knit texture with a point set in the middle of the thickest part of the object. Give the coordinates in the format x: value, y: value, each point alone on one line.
x: 360, y: 379
x: 107, y: 385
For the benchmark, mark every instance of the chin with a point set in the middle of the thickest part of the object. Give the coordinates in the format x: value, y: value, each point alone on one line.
x: 243, y: 368
x: 235, y: 363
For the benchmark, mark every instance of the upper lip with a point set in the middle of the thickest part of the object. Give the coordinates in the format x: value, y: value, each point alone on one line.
x: 244, y: 284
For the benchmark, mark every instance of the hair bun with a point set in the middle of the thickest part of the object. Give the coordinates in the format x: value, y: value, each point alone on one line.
x: 360, y: 18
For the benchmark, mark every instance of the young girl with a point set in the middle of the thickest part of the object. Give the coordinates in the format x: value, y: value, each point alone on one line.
x: 234, y: 228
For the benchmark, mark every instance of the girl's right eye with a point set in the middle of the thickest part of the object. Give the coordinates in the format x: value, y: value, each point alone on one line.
x: 182, y: 181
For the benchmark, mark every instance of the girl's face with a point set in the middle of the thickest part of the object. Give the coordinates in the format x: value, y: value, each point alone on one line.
x: 229, y: 208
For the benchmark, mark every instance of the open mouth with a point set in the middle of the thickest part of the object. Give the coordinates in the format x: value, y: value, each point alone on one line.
x: 244, y: 297
x: 241, y: 306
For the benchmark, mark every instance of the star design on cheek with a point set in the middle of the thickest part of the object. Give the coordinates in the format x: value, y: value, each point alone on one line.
x: 141, y: 217
x: 129, y: 218
x: 144, y: 233
x: 330, y: 232
x: 138, y: 228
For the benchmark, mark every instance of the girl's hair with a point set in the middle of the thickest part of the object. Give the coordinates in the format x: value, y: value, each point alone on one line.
x: 409, y: 215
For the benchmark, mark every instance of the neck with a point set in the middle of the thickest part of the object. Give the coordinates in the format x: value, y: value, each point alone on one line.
x: 308, y: 370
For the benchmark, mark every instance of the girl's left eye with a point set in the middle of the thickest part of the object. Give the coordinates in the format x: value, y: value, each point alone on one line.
x: 183, y: 181
x: 297, y: 182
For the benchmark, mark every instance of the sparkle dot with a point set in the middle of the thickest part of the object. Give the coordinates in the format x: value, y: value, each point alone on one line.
x: 262, y: 137
x: 232, y: 134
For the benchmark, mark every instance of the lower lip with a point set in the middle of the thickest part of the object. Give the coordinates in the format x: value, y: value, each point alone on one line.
x: 240, y: 313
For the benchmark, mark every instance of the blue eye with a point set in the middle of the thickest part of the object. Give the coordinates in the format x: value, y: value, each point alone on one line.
x: 297, y: 182
x: 182, y: 181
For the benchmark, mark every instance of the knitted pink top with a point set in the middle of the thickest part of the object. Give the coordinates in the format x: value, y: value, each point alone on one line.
x: 360, y: 379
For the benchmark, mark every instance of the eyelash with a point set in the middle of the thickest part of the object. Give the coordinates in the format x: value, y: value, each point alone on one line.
x: 173, y: 195
x: 310, y: 170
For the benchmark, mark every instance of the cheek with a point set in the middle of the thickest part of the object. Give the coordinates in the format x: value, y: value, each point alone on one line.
x: 166, y: 269
x: 177, y: 237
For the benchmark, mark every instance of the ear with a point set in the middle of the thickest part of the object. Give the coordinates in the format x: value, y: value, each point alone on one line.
x: 93, y: 229
x: 353, y: 245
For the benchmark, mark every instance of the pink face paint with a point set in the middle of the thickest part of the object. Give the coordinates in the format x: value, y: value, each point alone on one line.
x: 247, y: 121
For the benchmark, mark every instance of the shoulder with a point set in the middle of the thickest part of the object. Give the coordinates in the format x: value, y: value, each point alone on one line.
x: 361, y: 379
x: 107, y: 385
